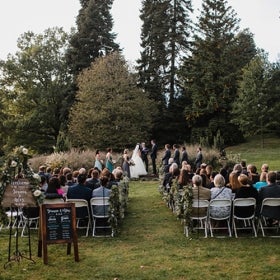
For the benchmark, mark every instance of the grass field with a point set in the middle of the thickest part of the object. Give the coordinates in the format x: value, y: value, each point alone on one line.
x: 150, y: 245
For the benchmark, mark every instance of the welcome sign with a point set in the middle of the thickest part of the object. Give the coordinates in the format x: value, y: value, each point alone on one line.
x: 18, y: 194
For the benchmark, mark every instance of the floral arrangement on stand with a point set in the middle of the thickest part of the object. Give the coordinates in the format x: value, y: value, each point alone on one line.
x: 16, y: 167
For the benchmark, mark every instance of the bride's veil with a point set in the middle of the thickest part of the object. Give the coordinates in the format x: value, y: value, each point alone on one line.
x: 135, y: 151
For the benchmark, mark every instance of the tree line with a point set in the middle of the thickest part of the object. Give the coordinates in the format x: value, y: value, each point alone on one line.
x: 202, y: 81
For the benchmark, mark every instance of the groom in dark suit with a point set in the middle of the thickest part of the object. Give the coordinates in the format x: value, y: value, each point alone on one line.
x: 154, y: 156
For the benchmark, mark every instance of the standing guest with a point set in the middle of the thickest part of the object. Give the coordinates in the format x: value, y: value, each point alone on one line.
x: 184, y: 155
x: 109, y: 160
x: 80, y: 190
x: 167, y: 155
x: 98, y: 161
x: 153, y: 156
x: 144, y: 155
x: 199, y: 158
x: 176, y: 155
x: 126, y: 163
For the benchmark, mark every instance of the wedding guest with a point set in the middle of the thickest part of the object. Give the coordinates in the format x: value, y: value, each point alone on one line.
x: 184, y: 155
x: 80, y: 190
x: 199, y: 192
x: 98, y: 161
x: 199, y: 158
x: 220, y: 191
x: 234, y: 184
x: 252, y: 173
x: 109, y: 164
x: 176, y: 155
x: 126, y: 163
x: 93, y: 182
x: 262, y: 182
x: 153, y: 156
x: 144, y: 155
x: 53, y: 188
x: 166, y: 156
x: 246, y: 190
x: 184, y: 178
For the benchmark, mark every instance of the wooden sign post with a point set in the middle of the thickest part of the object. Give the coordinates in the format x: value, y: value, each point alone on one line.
x: 57, y: 225
x: 18, y: 194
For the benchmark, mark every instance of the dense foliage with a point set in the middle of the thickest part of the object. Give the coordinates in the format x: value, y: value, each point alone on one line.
x: 110, y: 109
x: 34, y: 91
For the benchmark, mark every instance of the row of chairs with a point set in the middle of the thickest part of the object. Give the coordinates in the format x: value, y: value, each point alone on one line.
x: 233, y: 221
x: 87, y: 215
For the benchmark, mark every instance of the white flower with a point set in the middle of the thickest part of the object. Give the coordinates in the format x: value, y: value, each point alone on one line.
x: 13, y: 163
x: 37, y: 177
x: 24, y: 151
x: 37, y: 193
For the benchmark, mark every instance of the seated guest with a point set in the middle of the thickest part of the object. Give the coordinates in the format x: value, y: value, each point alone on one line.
x: 252, y: 173
x: 272, y: 190
x: 183, y: 179
x: 101, y: 191
x: 233, y: 177
x: 218, y: 192
x: 53, y: 189
x: 246, y: 190
x: 199, y: 192
x: 93, y: 182
x: 80, y: 190
x: 168, y: 177
x: 262, y: 182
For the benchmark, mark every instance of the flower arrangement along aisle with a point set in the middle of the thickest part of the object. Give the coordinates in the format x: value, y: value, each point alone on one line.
x: 15, y: 168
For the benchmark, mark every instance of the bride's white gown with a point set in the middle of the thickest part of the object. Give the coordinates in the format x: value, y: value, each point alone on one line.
x: 138, y: 169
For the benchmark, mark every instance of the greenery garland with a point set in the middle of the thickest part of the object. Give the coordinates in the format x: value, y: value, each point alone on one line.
x: 16, y: 166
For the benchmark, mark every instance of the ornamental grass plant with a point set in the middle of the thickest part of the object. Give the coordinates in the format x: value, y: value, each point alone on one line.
x: 150, y: 245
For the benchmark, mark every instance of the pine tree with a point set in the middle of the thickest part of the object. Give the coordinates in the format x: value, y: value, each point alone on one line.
x: 211, y: 72
x: 94, y: 36
x: 165, y: 33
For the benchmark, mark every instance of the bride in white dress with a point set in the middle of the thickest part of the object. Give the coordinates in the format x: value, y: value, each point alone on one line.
x: 138, y: 169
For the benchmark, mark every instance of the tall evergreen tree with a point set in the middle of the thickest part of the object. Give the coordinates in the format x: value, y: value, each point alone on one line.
x: 165, y: 33
x: 94, y: 35
x: 212, y: 71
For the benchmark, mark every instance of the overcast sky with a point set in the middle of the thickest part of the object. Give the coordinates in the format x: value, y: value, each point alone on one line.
x: 262, y: 17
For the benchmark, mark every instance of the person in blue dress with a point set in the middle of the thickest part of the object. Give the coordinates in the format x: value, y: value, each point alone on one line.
x: 109, y: 160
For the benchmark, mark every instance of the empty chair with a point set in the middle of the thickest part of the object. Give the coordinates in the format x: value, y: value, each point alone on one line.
x: 243, y: 211
x: 199, y: 216
x: 269, y: 216
x: 100, y: 214
x: 219, y: 210
x: 82, y: 214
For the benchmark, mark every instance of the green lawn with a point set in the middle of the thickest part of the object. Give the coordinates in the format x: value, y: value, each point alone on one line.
x: 150, y: 245
x: 258, y: 151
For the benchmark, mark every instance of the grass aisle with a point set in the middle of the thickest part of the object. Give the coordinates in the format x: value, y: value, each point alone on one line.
x: 151, y: 245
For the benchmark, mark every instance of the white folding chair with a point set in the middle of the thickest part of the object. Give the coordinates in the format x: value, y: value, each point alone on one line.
x: 53, y: 200
x: 199, y: 215
x: 223, y: 208
x: 248, y: 206
x: 263, y: 219
x: 100, y: 211
x: 82, y: 214
x: 30, y: 218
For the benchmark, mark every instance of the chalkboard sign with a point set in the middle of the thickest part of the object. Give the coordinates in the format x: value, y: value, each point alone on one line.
x: 18, y: 194
x: 58, y: 225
